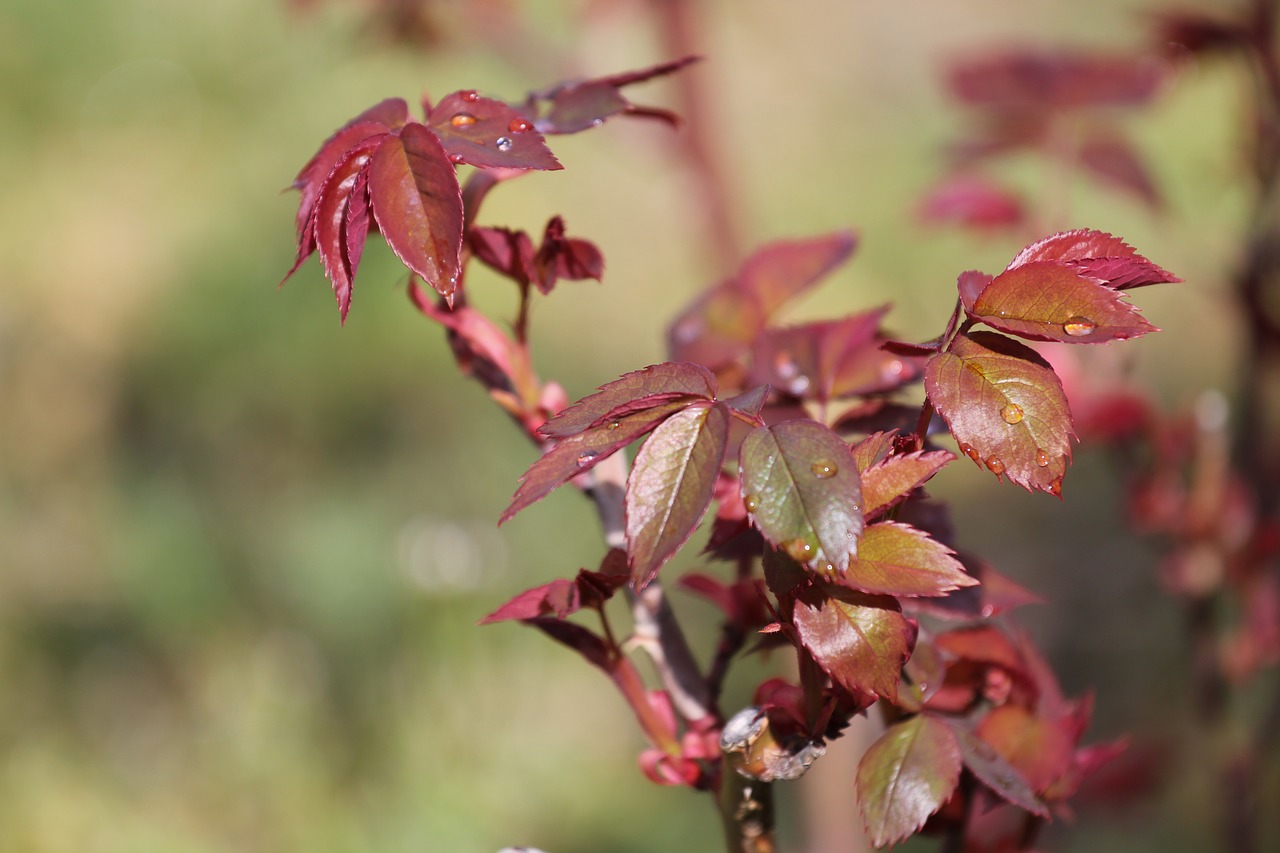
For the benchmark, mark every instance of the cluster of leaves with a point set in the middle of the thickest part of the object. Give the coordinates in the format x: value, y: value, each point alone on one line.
x: 799, y: 438
x: 1059, y: 104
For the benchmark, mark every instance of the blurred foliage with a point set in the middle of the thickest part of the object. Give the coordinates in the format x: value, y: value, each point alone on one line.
x: 243, y: 551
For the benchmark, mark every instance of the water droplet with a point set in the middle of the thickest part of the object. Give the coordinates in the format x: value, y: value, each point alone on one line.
x: 1079, y: 327
x: 785, y: 365
x: 971, y: 452
x: 1012, y: 413
x: 457, y: 158
x: 519, y: 125
x: 996, y: 464
x: 596, y: 122
x: 798, y: 549
x: 471, y: 96
x: 751, y: 503
x: 828, y: 568
x: 586, y: 457
x: 891, y: 370
x: 988, y: 611
x: 614, y: 425
x: 462, y: 120
x: 1042, y: 459
x: 824, y: 469
x: 502, y: 143
x: 1055, y: 488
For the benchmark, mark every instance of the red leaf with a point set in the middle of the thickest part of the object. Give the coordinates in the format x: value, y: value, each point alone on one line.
x: 657, y: 384
x: 591, y: 646
x: 1040, y: 750
x: 565, y: 257
x: 1005, y: 407
x: 418, y: 206
x: 1051, y: 301
x: 559, y: 597
x: 1098, y: 255
x: 905, y: 776
x: 508, y: 252
x: 780, y: 271
x: 873, y: 449
x: 331, y: 218
x: 1030, y: 82
x: 582, y: 452
x: 573, y: 107
x: 897, y: 559
x: 971, y: 284
x: 891, y: 480
x: 973, y: 201
x: 860, y: 640
x: 996, y: 773
x: 670, y: 485
x: 801, y: 486
x: 982, y: 644
x: 488, y: 133
x: 1114, y: 161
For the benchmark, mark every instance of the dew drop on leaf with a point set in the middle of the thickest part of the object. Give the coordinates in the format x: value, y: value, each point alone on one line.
x: 1012, y: 413
x: 462, y: 120
x: 996, y: 464
x: 586, y: 458
x: 750, y: 503
x: 470, y: 96
x: 1055, y: 488
x: 457, y: 158
x: 824, y: 469
x: 891, y: 370
x: 614, y: 425
x: 502, y: 143
x: 519, y: 125
x: 1079, y: 327
x: 798, y: 549
x: 968, y: 450
x: 1042, y: 459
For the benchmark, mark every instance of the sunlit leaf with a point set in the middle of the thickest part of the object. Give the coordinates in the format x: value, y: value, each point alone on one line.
x: 860, y: 640
x: 897, y: 559
x: 670, y: 485
x: 418, y: 206
x: 889, y: 481
x: 1005, y: 407
x: 1098, y: 255
x: 905, y: 776
x: 801, y: 486
x: 656, y: 384
x: 1051, y: 301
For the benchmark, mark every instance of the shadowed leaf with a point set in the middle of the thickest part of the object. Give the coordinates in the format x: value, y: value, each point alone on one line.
x: 1005, y: 407
x: 670, y: 486
x: 996, y: 773
x: 582, y: 105
x: 1040, y: 749
x: 801, y: 486
x: 488, y: 133
x: 887, y: 482
x: 418, y: 206
x: 1114, y: 161
x: 331, y: 223
x: 906, y: 776
x: 657, y: 384
x: 860, y: 640
x: 897, y: 559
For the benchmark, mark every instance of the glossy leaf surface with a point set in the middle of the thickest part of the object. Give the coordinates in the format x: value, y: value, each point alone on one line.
x: 658, y: 383
x: 897, y: 559
x: 906, y: 776
x: 670, y: 486
x: 488, y: 133
x: 801, y: 486
x: 1051, y: 301
x: 860, y: 640
x: 892, y: 479
x: 1005, y: 407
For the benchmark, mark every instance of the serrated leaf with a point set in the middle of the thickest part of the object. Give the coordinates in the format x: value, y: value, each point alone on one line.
x: 579, y: 453
x: 659, y: 383
x: 1051, y: 301
x: 801, y: 486
x: 906, y: 776
x: 581, y: 105
x: 873, y: 449
x: 860, y: 640
x: 893, y: 478
x: 1098, y: 255
x: 1005, y: 407
x: 670, y: 486
x: 996, y: 773
x: 971, y: 284
x: 418, y: 205
x: 488, y: 133
x: 331, y: 230
x: 897, y: 559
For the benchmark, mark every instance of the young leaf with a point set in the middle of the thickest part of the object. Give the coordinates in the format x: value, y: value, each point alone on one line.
x: 801, y: 486
x: 582, y: 452
x: 563, y: 597
x: 906, y: 776
x: 489, y: 134
x: 996, y: 773
x: 578, y: 106
x: 418, y: 205
x: 1051, y: 301
x: 1098, y: 255
x: 564, y: 257
x: 1113, y: 160
x: 973, y: 201
x: 1040, y: 749
x: 1005, y: 407
x: 331, y: 222
x: 780, y: 271
x: 860, y: 640
x: 670, y: 485
x: 654, y: 385
x: 897, y: 559
x: 892, y: 479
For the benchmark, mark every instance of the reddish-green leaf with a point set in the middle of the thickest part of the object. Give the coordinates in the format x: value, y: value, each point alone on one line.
x: 670, y: 486
x: 657, y: 384
x: 892, y: 479
x: 562, y: 596
x: 780, y: 271
x: 897, y: 559
x: 418, y: 206
x: 1098, y: 255
x: 488, y: 133
x: 331, y: 218
x: 873, y: 449
x: 906, y: 776
x: 996, y: 773
x: 801, y: 486
x: 1051, y: 301
x: 860, y: 640
x: 1005, y: 407
x: 582, y: 452
x: 1040, y: 749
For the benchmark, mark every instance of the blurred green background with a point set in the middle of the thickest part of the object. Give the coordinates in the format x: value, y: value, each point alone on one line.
x: 243, y: 551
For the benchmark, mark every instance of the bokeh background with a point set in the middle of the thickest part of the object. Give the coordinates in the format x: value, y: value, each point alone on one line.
x: 243, y: 550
